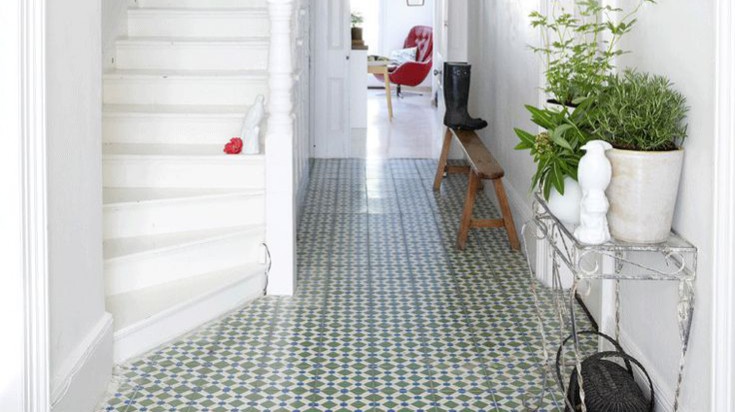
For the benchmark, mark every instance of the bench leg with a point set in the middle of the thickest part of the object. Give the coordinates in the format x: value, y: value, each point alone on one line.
x: 443, y: 160
x: 507, y: 216
x: 469, y: 205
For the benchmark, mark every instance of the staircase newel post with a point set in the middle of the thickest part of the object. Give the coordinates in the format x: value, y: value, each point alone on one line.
x: 279, y: 151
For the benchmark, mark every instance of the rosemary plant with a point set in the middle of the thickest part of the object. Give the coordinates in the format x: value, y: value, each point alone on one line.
x: 639, y: 111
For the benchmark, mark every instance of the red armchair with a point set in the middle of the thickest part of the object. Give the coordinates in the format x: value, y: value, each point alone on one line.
x: 414, y: 73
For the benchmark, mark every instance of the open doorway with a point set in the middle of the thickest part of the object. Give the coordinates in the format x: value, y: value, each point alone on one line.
x: 390, y: 101
x: 359, y: 82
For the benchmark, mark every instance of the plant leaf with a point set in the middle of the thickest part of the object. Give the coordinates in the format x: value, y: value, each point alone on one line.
x: 558, y: 138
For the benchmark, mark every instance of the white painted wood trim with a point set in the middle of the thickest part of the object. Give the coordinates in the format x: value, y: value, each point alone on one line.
x: 23, y: 238
x: 279, y: 152
x: 723, y: 350
x: 34, y: 231
x: 80, y: 359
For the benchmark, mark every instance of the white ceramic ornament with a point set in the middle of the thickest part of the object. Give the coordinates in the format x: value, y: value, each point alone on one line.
x: 251, y: 141
x: 594, y: 176
x: 251, y: 127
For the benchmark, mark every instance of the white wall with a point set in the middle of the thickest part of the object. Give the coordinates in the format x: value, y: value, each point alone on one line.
x: 505, y: 77
x: 674, y: 38
x: 80, y: 332
x: 302, y: 107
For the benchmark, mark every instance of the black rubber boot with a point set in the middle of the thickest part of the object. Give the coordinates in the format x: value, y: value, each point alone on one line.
x: 456, y: 95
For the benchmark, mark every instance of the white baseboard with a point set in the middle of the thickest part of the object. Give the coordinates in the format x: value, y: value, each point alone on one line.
x: 520, y: 205
x: 82, y: 379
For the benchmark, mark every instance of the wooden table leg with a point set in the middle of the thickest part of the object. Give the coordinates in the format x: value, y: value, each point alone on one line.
x: 469, y: 205
x: 388, y: 97
x: 442, y: 168
x: 507, y: 215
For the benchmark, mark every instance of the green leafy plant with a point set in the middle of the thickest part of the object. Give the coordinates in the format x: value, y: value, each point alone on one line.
x: 639, y: 111
x: 579, y: 45
x: 556, y: 150
x: 356, y: 19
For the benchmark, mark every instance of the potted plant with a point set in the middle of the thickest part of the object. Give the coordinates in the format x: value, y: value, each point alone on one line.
x: 579, y: 45
x: 643, y: 117
x: 556, y: 152
x: 356, y: 29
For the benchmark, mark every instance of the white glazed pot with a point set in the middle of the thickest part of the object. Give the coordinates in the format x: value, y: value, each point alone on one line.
x: 566, y: 207
x: 642, y: 194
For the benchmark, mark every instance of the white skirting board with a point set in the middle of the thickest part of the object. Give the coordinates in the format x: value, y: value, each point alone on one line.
x: 520, y: 208
x: 82, y: 379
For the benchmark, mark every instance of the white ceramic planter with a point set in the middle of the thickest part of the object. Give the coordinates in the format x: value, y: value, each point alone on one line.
x: 642, y: 194
x: 566, y: 207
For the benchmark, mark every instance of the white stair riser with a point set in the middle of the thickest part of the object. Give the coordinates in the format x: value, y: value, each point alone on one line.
x: 187, y: 56
x: 171, y: 129
x: 202, y: 4
x: 165, y: 23
x: 163, y: 217
x: 160, y: 172
x: 183, y: 90
x: 135, y: 341
x: 151, y: 269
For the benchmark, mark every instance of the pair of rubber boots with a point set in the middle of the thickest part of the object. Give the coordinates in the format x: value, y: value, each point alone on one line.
x: 456, y: 95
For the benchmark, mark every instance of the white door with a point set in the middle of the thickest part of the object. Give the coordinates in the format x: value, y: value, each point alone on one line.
x: 331, y: 104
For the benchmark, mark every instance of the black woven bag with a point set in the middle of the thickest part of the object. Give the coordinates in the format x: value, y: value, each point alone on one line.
x: 608, y: 386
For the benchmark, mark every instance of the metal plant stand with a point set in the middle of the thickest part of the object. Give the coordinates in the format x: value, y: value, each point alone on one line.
x: 674, y: 260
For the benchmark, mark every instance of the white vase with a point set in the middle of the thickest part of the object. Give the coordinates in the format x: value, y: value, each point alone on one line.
x: 566, y: 207
x: 642, y: 194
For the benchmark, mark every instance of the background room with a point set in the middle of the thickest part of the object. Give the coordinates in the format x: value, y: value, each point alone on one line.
x: 386, y: 118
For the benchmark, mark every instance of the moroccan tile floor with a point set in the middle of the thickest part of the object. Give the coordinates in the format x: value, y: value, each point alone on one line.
x: 388, y: 316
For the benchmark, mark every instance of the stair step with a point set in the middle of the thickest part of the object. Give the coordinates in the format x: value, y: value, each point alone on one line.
x: 187, y: 22
x: 179, y: 166
x: 160, y: 124
x: 176, y: 87
x: 122, y: 248
x: 162, y: 53
x: 146, y: 212
x: 203, y: 4
x: 147, y: 318
x: 147, y: 261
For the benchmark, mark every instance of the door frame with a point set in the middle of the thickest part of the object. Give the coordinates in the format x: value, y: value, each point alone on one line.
x: 23, y: 187
x: 723, y: 328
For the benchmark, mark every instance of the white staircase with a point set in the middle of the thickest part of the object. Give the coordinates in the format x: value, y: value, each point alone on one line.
x: 184, y: 223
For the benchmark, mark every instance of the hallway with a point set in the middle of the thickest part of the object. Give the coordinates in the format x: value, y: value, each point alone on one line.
x: 389, y: 315
x: 414, y: 131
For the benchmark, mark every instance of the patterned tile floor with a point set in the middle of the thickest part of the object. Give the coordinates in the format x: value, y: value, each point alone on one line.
x: 388, y: 316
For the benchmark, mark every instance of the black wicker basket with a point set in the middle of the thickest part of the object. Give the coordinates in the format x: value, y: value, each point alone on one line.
x: 608, y: 386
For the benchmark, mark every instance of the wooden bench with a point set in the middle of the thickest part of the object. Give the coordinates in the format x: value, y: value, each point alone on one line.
x: 482, y: 166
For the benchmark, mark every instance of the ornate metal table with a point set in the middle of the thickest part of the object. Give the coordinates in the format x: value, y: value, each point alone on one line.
x: 674, y: 260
